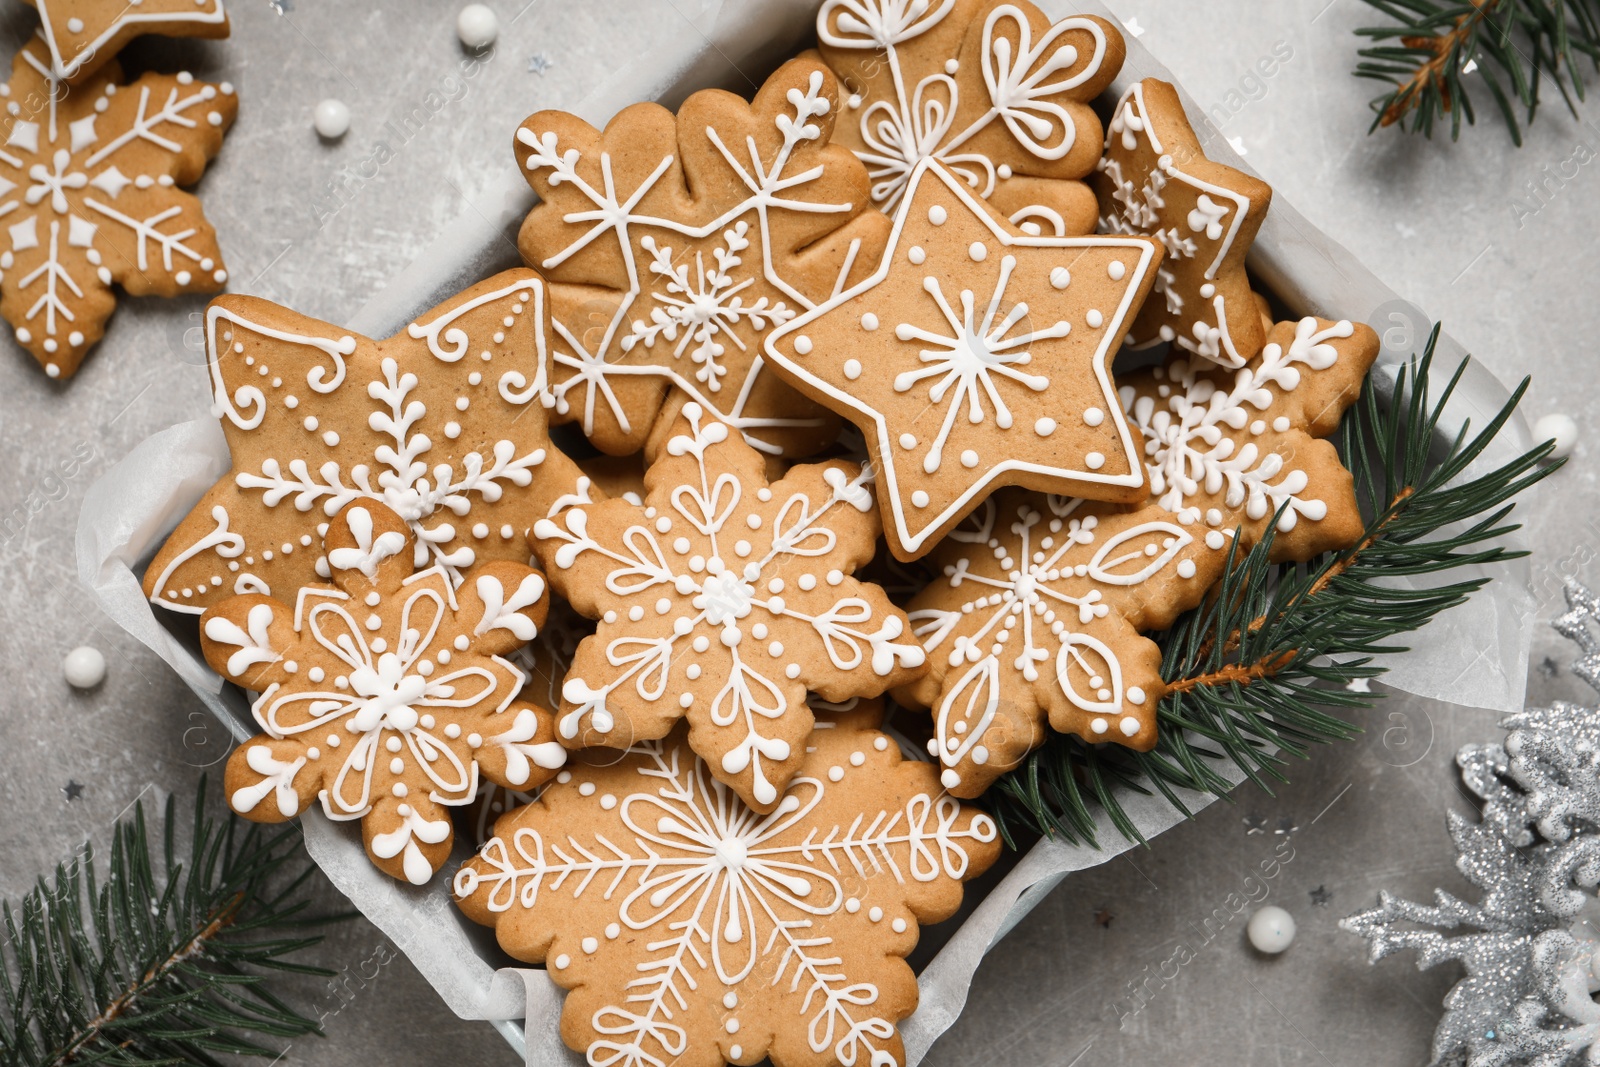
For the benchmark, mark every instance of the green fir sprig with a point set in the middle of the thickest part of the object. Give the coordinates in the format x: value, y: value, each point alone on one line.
x: 164, y: 960
x: 1433, y: 49
x: 1257, y: 674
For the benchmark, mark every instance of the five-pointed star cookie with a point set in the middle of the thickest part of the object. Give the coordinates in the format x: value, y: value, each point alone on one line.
x: 1232, y: 447
x: 1155, y: 179
x: 1038, y: 617
x: 83, y: 35
x: 723, y: 600
x: 385, y: 693
x: 989, y: 87
x: 89, y: 197
x: 673, y: 244
x: 975, y: 357
x: 689, y: 929
x: 441, y: 423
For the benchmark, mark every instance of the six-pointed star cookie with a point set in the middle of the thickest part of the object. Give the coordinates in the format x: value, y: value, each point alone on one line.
x: 1155, y: 179
x: 689, y: 929
x: 1038, y: 617
x: 989, y: 87
x: 976, y: 357
x: 672, y: 244
x: 1234, y: 447
x: 441, y: 423
x: 82, y: 35
x: 384, y: 693
x: 723, y: 600
x: 89, y: 198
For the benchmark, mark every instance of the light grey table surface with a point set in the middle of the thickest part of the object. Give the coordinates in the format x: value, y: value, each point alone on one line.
x: 1438, y: 222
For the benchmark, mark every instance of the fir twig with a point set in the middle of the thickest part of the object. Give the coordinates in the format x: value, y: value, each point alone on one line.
x: 160, y: 963
x: 1432, y: 47
x: 1255, y: 675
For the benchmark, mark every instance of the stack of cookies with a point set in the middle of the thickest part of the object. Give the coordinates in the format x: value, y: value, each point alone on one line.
x: 916, y: 311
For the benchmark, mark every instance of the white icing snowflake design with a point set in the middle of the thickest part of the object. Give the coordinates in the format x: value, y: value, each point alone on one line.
x: 89, y: 197
x: 1041, y: 601
x: 437, y: 431
x: 1192, y: 429
x: 723, y: 600
x: 386, y: 692
x: 729, y: 924
x: 698, y: 296
x: 1028, y: 88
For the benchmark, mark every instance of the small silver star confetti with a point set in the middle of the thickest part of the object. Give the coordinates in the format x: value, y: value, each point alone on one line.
x: 73, y: 790
x: 539, y: 63
x: 1320, y: 896
x: 1255, y: 824
x: 1286, y: 826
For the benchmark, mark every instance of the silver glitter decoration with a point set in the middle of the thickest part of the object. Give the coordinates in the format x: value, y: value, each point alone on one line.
x: 1531, y: 946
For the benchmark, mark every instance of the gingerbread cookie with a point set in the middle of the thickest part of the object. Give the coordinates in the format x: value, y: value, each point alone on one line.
x: 674, y: 244
x: 990, y: 88
x: 441, y: 423
x: 83, y: 35
x: 385, y: 693
x: 976, y: 357
x: 1155, y: 179
x: 1038, y: 617
x: 723, y: 600
x: 1235, y: 447
x: 89, y: 178
x: 691, y: 930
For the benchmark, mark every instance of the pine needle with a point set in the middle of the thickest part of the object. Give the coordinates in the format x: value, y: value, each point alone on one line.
x: 163, y: 962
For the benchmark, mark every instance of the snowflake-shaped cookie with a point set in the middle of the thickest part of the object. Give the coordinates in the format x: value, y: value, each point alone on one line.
x: 674, y: 244
x: 1235, y: 446
x: 990, y: 88
x: 723, y: 600
x: 385, y: 693
x: 1038, y: 617
x: 89, y: 196
x: 441, y: 423
x: 975, y: 357
x: 1155, y: 179
x: 83, y: 35
x: 690, y: 929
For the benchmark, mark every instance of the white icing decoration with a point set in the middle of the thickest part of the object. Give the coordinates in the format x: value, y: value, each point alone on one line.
x: 252, y: 639
x: 502, y: 612
x: 209, y: 12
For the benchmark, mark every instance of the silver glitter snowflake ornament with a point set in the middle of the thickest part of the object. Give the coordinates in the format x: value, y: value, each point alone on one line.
x: 1531, y: 946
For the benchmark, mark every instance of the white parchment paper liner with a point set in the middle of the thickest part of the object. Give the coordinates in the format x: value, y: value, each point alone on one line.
x: 1475, y: 655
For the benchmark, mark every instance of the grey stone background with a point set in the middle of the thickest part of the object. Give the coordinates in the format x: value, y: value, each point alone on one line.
x: 1453, y: 227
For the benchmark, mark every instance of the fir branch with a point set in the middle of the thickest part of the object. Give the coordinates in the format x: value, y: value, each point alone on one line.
x: 1257, y: 674
x: 1433, y: 46
x: 158, y: 964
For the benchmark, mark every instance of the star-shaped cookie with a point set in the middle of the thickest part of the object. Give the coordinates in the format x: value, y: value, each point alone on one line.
x: 83, y: 35
x: 977, y: 356
x: 442, y: 423
x: 1155, y: 179
x: 723, y: 600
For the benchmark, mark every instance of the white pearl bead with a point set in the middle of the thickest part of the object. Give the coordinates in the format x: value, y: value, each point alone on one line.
x: 1559, y: 428
x: 1271, y: 929
x: 331, y: 118
x: 477, y: 26
x: 84, y: 667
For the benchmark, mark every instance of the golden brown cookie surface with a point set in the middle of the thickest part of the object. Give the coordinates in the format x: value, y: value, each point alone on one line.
x: 977, y: 356
x: 81, y: 36
x: 689, y: 929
